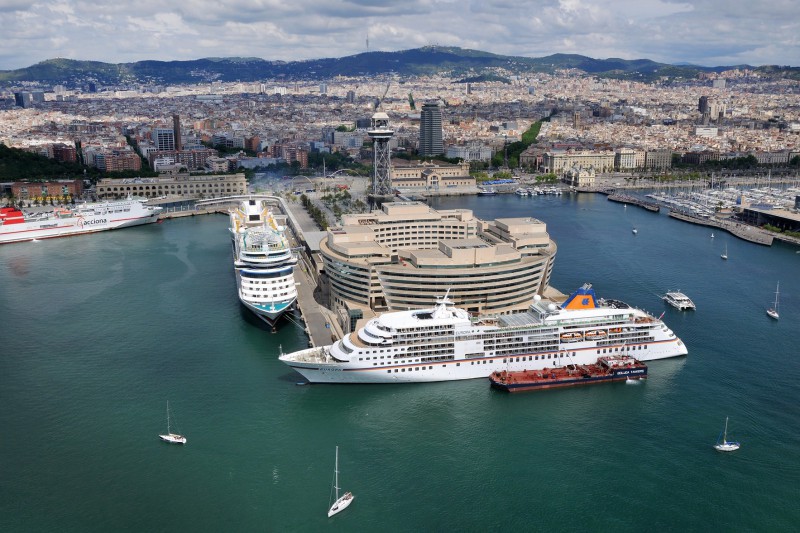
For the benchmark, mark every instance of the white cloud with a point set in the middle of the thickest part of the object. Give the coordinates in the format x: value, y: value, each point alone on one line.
x: 709, y: 32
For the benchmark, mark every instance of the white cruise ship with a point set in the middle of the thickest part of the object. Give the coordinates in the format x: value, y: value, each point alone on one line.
x: 16, y: 226
x: 263, y: 260
x: 444, y: 343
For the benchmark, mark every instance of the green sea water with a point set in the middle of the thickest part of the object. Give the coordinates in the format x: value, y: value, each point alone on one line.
x: 99, y: 331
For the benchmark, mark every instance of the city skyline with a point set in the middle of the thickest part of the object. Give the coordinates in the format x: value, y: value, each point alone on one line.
x: 701, y: 32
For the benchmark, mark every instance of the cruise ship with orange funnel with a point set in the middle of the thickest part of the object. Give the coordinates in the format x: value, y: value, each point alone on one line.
x: 445, y: 343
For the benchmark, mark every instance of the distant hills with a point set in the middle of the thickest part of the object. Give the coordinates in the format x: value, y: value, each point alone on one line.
x: 455, y: 62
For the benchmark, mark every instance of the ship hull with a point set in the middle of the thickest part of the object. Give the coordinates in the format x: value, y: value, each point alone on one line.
x: 467, y: 368
x: 269, y: 313
x: 68, y: 228
x: 615, y: 375
x: 269, y: 305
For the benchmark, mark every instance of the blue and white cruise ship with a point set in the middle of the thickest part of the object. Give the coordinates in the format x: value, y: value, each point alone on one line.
x: 263, y: 260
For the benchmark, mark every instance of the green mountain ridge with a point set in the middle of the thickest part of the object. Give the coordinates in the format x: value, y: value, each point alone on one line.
x: 452, y: 61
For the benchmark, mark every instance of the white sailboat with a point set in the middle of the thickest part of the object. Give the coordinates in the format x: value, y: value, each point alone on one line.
x: 170, y: 437
x: 726, y: 445
x: 725, y: 253
x: 341, y: 503
x: 635, y: 231
x: 773, y: 311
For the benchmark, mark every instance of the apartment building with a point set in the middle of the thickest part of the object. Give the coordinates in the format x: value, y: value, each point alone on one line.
x: 558, y: 162
x: 46, y: 190
x: 179, y: 186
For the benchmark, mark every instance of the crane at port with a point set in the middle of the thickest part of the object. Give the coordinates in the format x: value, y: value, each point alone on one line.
x: 379, y: 101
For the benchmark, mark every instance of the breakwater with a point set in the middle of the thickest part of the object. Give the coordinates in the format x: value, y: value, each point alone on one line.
x: 633, y: 200
x: 743, y: 231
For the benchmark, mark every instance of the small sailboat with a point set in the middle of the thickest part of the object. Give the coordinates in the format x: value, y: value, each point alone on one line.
x: 341, y: 503
x: 635, y: 231
x: 726, y: 445
x: 171, y: 437
x: 712, y: 234
x: 773, y: 311
x: 725, y: 253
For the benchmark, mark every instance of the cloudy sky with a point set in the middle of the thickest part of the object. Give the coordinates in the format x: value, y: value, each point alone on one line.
x: 704, y: 32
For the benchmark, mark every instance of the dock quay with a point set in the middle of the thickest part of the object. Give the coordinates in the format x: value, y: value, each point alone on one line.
x: 626, y: 199
x: 319, y: 322
x: 190, y: 213
x: 743, y: 231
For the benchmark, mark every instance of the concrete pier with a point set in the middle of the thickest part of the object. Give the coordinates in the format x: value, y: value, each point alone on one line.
x: 743, y: 231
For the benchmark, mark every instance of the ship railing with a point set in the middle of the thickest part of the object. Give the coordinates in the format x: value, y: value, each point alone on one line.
x: 316, y: 355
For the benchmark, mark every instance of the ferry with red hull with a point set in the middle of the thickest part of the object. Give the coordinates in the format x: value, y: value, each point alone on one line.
x: 18, y: 226
x: 607, y: 369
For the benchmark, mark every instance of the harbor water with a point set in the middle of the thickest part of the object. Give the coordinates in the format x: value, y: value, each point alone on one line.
x: 100, y: 331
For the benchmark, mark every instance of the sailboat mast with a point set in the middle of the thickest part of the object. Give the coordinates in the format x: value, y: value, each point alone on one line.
x: 725, y: 433
x: 336, y: 471
x: 776, y: 295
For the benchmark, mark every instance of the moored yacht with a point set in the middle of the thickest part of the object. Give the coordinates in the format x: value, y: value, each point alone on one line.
x: 444, y: 343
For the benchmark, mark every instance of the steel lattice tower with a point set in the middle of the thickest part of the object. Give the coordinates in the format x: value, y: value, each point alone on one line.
x: 382, y: 161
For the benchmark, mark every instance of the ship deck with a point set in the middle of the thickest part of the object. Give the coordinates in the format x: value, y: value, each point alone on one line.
x: 565, y: 376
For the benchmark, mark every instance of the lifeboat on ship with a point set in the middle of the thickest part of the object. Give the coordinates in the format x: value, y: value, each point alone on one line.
x: 571, y: 337
x: 596, y: 334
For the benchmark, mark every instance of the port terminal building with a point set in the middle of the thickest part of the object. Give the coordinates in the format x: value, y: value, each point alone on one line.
x: 406, y: 254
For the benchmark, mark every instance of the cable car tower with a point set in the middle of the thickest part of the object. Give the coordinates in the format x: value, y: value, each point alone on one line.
x: 380, y: 133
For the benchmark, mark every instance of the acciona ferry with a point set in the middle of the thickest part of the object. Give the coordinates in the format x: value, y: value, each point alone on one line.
x: 16, y: 226
x: 263, y: 261
x: 443, y: 343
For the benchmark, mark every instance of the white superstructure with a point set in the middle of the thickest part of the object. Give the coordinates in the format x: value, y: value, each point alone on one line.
x: 678, y: 300
x: 263, y: 261
x: 17, y: 226
x: 444, y: 343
